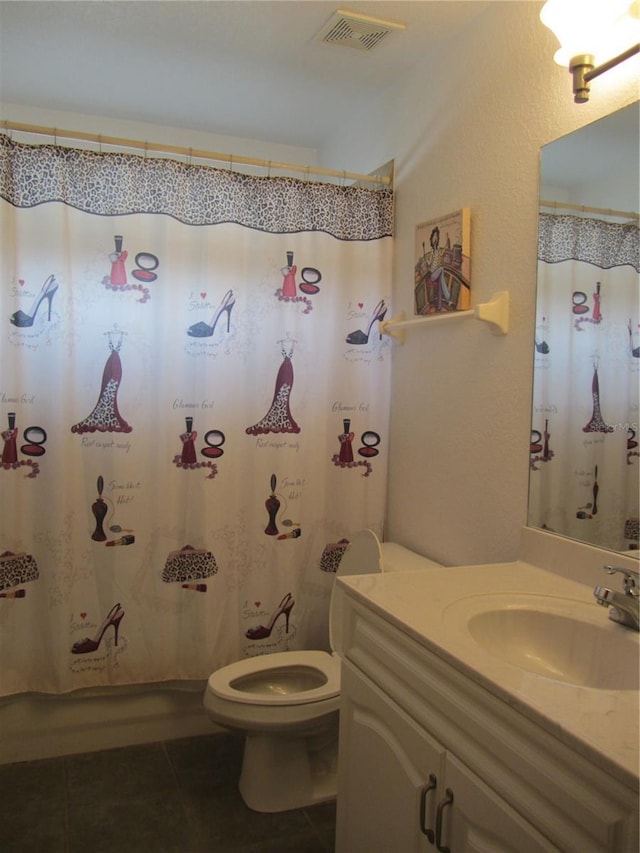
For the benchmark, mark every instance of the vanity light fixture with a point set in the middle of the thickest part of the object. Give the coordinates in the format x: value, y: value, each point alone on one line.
x: 589, y: 30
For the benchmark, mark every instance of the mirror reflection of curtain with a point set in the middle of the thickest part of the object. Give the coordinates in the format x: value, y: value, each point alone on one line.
x: 584, y: 439
x: 186, y: 427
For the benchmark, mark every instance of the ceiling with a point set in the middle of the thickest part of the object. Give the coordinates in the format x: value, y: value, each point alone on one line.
x: 244, y: 68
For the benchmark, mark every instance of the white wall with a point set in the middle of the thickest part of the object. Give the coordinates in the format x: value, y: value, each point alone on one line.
x: 465, y: 131
x: 155, y: 133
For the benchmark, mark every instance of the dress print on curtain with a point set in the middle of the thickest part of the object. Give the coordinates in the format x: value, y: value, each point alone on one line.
x: 279, y: 417
x: 106, y: 416
x: 584, y: 482
x: 164, y: 537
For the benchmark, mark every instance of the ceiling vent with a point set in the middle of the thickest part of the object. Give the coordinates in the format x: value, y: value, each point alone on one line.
x: 361, y: 32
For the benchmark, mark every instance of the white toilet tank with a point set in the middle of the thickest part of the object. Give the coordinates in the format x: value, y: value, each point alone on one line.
x: 367, y: 555
x: 397, y: 558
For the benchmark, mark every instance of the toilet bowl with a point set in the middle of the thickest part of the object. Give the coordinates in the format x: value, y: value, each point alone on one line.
x: 287, y: 703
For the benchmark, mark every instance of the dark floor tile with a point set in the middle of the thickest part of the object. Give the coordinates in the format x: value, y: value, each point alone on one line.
x: 294, y: 844
x: 151, y: 824
x: 176, y: 797
x: 226, y: 823
x: 31, y: 778
x: 114, y: 774
x: 33, y: 807
x: 204, y: 764
x: 323, y: 819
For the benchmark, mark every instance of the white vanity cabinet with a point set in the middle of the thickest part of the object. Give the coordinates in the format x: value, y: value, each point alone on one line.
x: 402, y: 792
x: 432, y: 760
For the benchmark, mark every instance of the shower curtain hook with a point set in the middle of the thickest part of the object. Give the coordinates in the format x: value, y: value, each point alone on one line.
x: 99, y: 143
x: 344, y: 176
x: 231, y: 162
x: 190, y: 160
x: 146, y: 149
x: 269, y: 169
x: 55, y: 135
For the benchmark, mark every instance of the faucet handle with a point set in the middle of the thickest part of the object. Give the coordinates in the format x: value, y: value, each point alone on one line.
x: 631, y: 578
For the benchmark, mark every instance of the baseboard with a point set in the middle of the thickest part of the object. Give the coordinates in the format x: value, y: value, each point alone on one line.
x: 37, y: 726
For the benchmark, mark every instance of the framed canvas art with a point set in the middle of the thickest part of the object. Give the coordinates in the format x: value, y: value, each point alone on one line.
x: 442, y: 280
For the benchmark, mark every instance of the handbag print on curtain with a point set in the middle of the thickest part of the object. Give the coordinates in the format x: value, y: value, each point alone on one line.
x: 195, y: 406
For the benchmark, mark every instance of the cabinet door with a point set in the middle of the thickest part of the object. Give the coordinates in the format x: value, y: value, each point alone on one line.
x: 385, y: 763
x: 478, y: 820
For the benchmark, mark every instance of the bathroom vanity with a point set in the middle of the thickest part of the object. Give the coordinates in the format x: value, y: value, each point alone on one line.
x: 485, y: 708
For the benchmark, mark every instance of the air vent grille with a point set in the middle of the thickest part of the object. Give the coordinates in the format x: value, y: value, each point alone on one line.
x: 361, y: 32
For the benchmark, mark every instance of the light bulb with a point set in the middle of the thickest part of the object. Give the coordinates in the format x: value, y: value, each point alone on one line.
x: 601, y: 28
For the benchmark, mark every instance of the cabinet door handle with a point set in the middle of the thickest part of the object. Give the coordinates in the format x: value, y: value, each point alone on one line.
x: 430, y: 786
x: 446, y: 801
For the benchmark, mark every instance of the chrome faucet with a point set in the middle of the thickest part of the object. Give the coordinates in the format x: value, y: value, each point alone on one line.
x: 624, y: 605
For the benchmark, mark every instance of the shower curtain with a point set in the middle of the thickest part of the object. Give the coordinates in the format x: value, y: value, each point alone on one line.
x: 584, y: 439
x: 194, y: 402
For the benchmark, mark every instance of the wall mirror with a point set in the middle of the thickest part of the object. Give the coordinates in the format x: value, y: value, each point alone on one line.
x: 584, y: 449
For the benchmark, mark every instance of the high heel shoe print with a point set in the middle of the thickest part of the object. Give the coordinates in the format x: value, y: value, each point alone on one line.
x: 360, y: 337
x: 48, y: 291
x: 204, y: 330
x: 113, y: 617
x: 261, y: 632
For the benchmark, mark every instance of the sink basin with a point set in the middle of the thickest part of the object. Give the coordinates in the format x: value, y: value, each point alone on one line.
x: 568, y: 641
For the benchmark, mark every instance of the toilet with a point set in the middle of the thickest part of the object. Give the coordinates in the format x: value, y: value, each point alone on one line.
x: 287, y: 704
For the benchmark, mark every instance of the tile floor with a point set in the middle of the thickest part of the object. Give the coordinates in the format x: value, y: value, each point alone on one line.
x: 178, y: 796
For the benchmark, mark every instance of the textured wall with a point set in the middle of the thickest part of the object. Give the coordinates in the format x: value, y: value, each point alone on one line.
x: 466, y: 130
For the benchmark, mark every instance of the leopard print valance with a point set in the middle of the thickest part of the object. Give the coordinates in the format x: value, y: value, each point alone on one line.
x: 562, y: 237
x: 108, y: 184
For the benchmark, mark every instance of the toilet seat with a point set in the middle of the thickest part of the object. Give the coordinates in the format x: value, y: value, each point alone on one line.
x: 298, y: 677
x: 323, y: 669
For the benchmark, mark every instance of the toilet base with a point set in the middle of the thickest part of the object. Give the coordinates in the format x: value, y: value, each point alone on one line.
x: 282, y: 773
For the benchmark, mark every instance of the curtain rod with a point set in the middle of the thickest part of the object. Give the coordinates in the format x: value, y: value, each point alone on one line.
x: 622, y: 214
x: 191, y: 152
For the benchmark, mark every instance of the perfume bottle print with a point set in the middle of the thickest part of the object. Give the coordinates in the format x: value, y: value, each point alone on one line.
x: 99, y: 509
x: 10, y: 450
x: 346, y: 440
x: 272, y: 505
x: 188, y: 438
x: 186, y: 459
x: 289, y: 273
x: 118, y: 275
x: 288, y: 292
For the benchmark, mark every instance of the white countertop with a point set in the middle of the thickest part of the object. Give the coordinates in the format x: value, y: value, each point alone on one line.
x: 432, y: 607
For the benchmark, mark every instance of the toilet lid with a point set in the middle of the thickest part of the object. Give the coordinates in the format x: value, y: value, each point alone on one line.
x: 323, y: 666
x: 362, y: 557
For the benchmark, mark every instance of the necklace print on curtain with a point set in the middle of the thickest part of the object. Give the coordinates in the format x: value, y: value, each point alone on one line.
x: 309, y: 285
x: 198, y: 529
x: 144, y: 272
x: 584, y: 482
